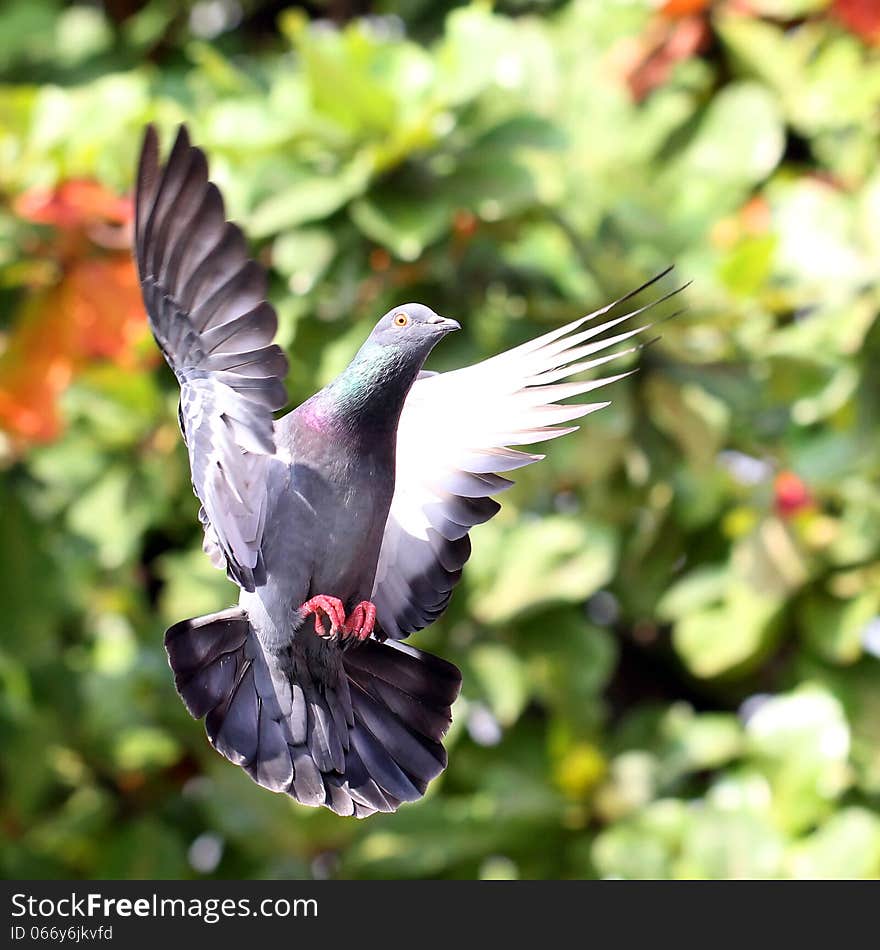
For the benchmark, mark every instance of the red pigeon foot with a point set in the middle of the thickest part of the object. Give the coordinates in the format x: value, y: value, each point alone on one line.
x: 323, y: 606
x: 360, y: 622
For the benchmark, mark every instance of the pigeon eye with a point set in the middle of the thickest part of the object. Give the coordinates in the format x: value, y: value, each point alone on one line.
x: 400, y: 319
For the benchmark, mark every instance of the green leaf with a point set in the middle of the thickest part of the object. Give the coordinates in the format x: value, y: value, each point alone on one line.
x: 697, y: 420
x: 643, y: 847
x: 303, y: 256
x: 730, y: 637
x: 801, y: 741
x: 344, y: 71
x: 522, y: 131
x: 112, y: 515
x: 788, y: 9
x: 818, y: 254
x: 309, y: 198
x: 28, y: 583
x: 546, y: 561
x: 145, y: 748
x: 571, y: 662
x: 740, y: 138
x: 474, y: 42
x: 697, y: 742
x: 825, y: 80
x: 193, y: 586
x: 82, y: 32
x: 846, y: 847
x: 502, y: 679
x: 834, y: 627
x: 718, y: 845
x: 27, y: 29
x: 494, y: 188
x: 699, y: 589
x: 632, y: 783
x: 404, y: 223
x: 748, y: 266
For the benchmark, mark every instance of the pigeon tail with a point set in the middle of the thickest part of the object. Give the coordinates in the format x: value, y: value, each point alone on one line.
x: 357, y: 732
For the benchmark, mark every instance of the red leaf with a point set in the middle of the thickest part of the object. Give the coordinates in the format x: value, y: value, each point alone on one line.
x: 862, y: 17
x: 647, y: 61
x: 791, y: 495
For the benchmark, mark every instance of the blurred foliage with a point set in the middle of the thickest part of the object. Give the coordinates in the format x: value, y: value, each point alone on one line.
x: 670, y: 635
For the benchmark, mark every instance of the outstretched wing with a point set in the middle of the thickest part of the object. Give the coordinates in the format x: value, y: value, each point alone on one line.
x: 455, y: 436
x: 207, y: 306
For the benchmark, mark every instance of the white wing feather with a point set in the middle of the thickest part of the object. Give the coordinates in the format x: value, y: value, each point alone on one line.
x: 456, y: 432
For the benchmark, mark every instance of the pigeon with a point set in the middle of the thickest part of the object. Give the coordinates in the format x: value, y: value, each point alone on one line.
x: 344, y: 523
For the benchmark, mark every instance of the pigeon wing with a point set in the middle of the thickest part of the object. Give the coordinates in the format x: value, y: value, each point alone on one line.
x: 206, y: 301
x: 456, y: 434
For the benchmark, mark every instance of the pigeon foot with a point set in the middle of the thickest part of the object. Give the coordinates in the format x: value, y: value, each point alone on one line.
x: 359, y: 625
x: 323, y: 607
x: 354, y: 629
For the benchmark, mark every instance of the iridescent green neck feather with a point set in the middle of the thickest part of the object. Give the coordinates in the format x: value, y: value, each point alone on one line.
x: 368, y: 395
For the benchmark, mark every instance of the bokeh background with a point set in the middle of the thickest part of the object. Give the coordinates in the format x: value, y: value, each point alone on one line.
x: 670, y: 635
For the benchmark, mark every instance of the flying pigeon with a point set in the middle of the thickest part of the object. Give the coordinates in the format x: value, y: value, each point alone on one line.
x: 345, y: 522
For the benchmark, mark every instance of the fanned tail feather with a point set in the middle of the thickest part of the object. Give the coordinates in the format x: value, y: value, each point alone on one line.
x: 357, y: 736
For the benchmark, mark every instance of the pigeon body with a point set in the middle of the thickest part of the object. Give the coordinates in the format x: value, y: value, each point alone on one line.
x: 338, y: 451
x: 344, y: 523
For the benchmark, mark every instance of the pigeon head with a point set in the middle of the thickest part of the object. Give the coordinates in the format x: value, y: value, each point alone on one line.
x: 413, y: 329
x: 368, y: 395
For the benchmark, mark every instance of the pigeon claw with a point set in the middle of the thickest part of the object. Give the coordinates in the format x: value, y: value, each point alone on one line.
x: 329, y: 608
x: 360, y: 623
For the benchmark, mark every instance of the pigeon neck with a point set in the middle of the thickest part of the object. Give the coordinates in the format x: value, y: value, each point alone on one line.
x: 368, y: 396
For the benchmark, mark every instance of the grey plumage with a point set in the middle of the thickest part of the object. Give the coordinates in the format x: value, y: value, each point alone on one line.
x: 291, y: 709
x: 364, y: 495
x: 207, y: 308
x: 277, y: 721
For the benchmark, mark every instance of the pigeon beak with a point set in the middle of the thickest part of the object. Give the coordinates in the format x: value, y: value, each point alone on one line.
x: 445, y: 324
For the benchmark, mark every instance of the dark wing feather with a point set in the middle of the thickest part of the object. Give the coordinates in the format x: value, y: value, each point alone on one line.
x: 207, y: 306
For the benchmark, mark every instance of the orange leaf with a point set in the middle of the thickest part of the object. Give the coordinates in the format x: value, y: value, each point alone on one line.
x: 76, y: 204
x: 676, y: 8
x: 94, y: 312
x: 35, y: 368
x: 104, y: 303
